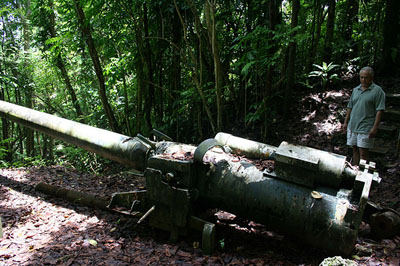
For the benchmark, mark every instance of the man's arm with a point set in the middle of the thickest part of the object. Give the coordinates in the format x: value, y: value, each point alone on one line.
x: 374, y: 129
x: 346, y: 120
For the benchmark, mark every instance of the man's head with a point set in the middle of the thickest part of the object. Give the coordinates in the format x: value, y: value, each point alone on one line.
x: 366, y: 76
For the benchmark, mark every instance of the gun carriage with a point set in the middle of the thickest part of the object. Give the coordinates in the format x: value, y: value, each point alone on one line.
x: 299, y: 191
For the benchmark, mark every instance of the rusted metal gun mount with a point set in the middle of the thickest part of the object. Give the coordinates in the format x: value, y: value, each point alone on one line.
x: 171, y: 191
x: 309, y: 194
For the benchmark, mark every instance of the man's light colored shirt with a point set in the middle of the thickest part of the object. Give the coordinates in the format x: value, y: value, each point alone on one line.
x: 364, y: 105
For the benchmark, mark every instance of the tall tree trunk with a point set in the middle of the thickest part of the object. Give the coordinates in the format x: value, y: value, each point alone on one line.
x: 4, y: 122
x: 30, y: 135
x: 197, y: 68
x: 139, y: 97
x: 139, y: 66
x: 144, y: 68
x: 391, y: 30
x: 275, y: 18
x: 330, y: 24
x: 175, y: 80
x: 5, y: 129
x: 212, y: 35
x: 350, y: 20
x: 292, y: 58
x: 315, y: 13
x: 85, y: 28
x: 48, y: 144
x: 376, y: 44
x: 71, y: 91
x: 320, y: 15
x: 127, y: 115
x: 150, y: 70
x: 61, y: 66
x: 159, y: 104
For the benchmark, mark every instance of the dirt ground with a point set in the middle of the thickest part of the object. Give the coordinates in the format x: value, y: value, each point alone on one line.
x: 41, y: 230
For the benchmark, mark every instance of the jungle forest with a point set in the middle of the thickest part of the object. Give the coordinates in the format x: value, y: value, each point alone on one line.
x: 265, y: 70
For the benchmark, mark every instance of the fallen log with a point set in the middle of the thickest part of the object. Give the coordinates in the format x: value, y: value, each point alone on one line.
x: 73, y: 196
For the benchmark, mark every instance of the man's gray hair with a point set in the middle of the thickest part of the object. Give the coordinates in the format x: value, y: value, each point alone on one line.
x: 368, y: 69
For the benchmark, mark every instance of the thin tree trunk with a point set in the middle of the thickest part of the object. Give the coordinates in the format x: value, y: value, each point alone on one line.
x: 139, y: 96
x: 61, y: 66
x: 391, y: 30
x: 71, y: 91
x: 126, y: 103
x: 175, y: 81
x: 351, y: 18
x: 275, y: 18
x: 159, y: 104
x: 320, y: 18
x: 377, y: 43
x: 4, y: 122
x: 30, y: 135
x: 140, y: 67
x: 292, y: 57
x: 5, y: 132
x: 211, y: 25
x: 85, y: 28
x: 327, y: 57
x: 196, y: 70
x: 47, y: 148
x: 150, y: 71
x: 317, y: 6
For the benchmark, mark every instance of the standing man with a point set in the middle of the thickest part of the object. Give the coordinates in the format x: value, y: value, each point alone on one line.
x: 364, y: 113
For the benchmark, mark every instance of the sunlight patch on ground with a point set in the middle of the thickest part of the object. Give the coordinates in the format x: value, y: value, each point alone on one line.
x: 334, y: 94
x: 33, y: 221
x: 328, y: 126
x: 309, y: 117
x: 19, y: 174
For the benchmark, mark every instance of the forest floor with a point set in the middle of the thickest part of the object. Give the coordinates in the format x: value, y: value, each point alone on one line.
x: 41, y: 230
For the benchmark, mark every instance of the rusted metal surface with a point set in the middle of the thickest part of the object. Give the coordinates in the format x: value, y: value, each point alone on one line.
x: 330, y: 222
x: 250, y: 149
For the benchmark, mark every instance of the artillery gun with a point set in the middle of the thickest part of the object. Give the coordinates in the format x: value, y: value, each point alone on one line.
x: 307, y: 193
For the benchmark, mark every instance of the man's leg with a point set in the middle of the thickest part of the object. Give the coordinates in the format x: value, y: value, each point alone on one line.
x: 356, y: 155
x: 352, y: 141
x: 364, y: 142
x: 364, y: 154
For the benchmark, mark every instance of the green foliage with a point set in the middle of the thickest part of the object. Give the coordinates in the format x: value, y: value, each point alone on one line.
x: 256, y: 113
x: 19, y: 160
x: 324, y: 74
x: 149, y: 64
x: 257, y: 44
x: 83, y: 160
x: 221, y: 243
x: 29, y: 161
x: 3, y: 153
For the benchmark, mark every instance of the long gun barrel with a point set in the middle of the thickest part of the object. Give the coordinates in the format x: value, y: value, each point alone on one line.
x: 117, y: 147
x: 307, y: 193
